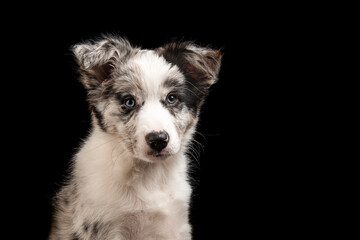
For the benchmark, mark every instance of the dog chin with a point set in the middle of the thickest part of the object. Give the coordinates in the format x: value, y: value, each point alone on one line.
x: 154, y: 156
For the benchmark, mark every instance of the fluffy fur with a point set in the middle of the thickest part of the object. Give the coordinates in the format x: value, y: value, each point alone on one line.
x: 129, y: 179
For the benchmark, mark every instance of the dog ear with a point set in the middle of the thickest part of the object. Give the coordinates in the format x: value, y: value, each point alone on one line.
x: 97, y: 59
x: 199, y: 63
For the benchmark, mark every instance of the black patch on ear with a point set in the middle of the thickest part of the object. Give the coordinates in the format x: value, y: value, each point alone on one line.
x: 175, y: 53
x: 200, y: 67
x: 199, y: 63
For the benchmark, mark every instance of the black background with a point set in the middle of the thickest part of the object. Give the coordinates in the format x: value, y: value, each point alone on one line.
x: 240, y: 188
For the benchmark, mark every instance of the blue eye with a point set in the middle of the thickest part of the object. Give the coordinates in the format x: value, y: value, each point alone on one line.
x: 130, y: 102
x: 171, y: 99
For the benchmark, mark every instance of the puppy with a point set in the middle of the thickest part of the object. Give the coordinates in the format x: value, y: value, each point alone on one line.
x: 129, y: 178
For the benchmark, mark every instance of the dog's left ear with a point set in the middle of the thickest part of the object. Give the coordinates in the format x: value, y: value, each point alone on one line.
x: 201, y: 64
x: 97, y: 59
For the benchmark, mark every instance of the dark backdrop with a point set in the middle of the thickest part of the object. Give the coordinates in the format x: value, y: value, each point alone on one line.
x: 238, y: 182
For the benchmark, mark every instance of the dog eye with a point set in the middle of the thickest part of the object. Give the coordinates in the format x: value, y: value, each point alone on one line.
x: 130, y: 102
x: 171, y: 98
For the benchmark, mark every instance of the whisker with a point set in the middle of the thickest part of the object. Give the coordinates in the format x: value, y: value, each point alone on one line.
x: 201, y: 91
x: 194, y: 151
x: 196, y: 162
x: 200, y: 134
x: 185, y: 88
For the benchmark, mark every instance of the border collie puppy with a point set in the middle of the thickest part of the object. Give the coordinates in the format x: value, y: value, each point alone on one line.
x: 129, y: 178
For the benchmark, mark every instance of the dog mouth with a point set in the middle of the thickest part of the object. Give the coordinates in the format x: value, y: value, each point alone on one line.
x: 151, y: 155
x: 159, y: 155
x: 155, y: 156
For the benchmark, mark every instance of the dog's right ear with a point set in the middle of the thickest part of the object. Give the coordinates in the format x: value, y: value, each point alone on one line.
x: 97, y: 59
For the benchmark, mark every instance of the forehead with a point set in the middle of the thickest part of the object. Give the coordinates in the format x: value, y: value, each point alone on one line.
x: 149, y: 71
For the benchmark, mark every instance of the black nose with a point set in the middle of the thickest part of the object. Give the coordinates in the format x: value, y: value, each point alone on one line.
x: 157, y: 140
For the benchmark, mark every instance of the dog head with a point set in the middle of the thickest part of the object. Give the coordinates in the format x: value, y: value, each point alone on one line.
x: 150, y: 99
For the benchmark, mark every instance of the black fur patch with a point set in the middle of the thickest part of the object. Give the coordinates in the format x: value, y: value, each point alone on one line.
x: 193, y: 95
x: 75, y: 237
x: 96, y: 228
x: 86, y: 226
x: 195, y: 89
x: 99, y: 117
x: 187, y: 94
x: 173, y: 83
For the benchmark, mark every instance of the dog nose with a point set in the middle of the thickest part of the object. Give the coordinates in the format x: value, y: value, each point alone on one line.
x: 157, y: 140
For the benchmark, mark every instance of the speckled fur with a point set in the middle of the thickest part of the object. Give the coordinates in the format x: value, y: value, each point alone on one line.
x: 118, y: 189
